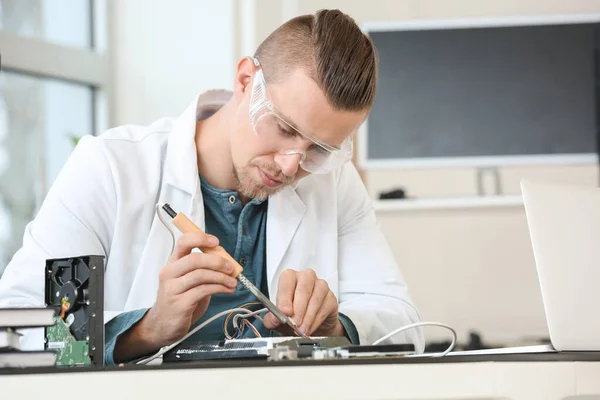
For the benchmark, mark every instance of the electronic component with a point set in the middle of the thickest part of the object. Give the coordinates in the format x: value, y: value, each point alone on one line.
x: 74, y: 287
x: 333, y: 348
x: 274, y: 348
x: 217, y: 350
x: 305, y: 347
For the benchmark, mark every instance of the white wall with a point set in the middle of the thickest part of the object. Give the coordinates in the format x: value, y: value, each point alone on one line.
x: 166, y: 52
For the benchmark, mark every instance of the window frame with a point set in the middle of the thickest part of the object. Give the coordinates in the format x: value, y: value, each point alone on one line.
x: 90, y: 67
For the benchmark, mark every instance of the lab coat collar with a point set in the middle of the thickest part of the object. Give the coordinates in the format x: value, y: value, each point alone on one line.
x: 181, y: 163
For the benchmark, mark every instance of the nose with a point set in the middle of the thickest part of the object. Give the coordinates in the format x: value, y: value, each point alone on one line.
x: 288, y: 163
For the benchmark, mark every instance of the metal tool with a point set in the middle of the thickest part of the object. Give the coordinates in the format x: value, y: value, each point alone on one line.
x: 185, y: 225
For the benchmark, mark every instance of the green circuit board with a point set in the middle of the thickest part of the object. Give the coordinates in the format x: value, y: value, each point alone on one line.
x: 69, y: 351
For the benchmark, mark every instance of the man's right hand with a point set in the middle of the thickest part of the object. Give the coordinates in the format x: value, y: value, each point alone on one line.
x: 185, y: 286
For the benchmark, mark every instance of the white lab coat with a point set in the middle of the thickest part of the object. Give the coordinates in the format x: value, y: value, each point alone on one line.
x: 103, y: 202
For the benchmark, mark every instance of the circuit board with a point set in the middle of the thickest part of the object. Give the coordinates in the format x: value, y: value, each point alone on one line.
x: 74, y: 287
x: 69, y: 351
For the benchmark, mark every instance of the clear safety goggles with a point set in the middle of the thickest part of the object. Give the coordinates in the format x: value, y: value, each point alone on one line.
x: 286, y: 139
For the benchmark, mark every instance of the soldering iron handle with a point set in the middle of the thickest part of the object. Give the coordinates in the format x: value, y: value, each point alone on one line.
x: 184, y: 224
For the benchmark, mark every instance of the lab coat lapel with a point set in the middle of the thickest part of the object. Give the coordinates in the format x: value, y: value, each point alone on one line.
x: 181, y: 170
x: 285, y: 214
x: 178, y: 188
x: 181, y: 163
x: 181, y: 182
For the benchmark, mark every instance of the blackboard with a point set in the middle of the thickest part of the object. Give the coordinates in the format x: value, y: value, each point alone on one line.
x: 501, y: 91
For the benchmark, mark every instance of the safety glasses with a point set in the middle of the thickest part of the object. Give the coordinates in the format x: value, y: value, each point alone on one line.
x: 285, y: 138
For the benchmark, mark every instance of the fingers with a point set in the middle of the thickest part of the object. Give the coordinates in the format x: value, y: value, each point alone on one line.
x: 303, y: 293
x: 201, y: 277
x: 285, y: 291
x: 306, y: 298
x: 316, y: 302
x: 196, y: 294
x: 189, y: 241
x: 195, y: 261
x: 270, y: 321
x: 329, y: 307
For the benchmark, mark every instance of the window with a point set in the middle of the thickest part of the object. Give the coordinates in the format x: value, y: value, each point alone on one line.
x: 63, y: 22
x: 53, y: 87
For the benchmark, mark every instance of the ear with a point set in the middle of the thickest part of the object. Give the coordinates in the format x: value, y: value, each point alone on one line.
x: 243, y: 77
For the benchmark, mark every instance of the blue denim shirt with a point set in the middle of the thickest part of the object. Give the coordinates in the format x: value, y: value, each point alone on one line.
x: 241, y: 230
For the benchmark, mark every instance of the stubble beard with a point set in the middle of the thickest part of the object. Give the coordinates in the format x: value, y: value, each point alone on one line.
x: 249, y: 188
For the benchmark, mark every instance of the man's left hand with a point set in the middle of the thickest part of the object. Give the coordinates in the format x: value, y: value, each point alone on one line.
x: 309, y: 301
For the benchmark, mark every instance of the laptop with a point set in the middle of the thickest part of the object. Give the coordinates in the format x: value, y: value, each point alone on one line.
x: 564, y: 225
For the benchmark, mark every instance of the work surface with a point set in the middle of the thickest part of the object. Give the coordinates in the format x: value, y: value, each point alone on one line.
x: 525, y: 376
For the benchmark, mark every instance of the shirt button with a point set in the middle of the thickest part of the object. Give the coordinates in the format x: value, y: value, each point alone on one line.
x: 242, y: 261
x: 244, y: 231
x: 232, y: 199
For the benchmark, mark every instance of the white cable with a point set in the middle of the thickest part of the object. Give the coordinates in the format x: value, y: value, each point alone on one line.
x: 190, y: 333
x: 417, y: 325
x: 252, y: 314
x: 157, y: 208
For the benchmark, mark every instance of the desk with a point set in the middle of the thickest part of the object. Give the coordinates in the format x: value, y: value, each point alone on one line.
x: 515, y: 377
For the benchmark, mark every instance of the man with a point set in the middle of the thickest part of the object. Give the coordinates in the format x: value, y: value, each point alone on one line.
x: 265, y: 172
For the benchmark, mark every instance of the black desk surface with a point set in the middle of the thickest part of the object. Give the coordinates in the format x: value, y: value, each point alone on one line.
x: 528, y: 357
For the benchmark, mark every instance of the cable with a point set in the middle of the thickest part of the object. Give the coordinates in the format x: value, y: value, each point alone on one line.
x: 245, y: 305
x: 239, y: 332
x: 190, y: 333
x: 248, y: 323
x: 253, y: 328
x: 244, y: 316
x: 158, y: 213
x: 417, y: 325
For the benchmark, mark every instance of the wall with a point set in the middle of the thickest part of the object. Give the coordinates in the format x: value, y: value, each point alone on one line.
x: 166, y: 52
x: 471, y: 268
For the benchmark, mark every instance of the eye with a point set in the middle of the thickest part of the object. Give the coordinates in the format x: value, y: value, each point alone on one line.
x: 285, y: 131
x: 315, y: 148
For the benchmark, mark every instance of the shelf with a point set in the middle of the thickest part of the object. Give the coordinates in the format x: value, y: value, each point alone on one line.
x: 440, y: 203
